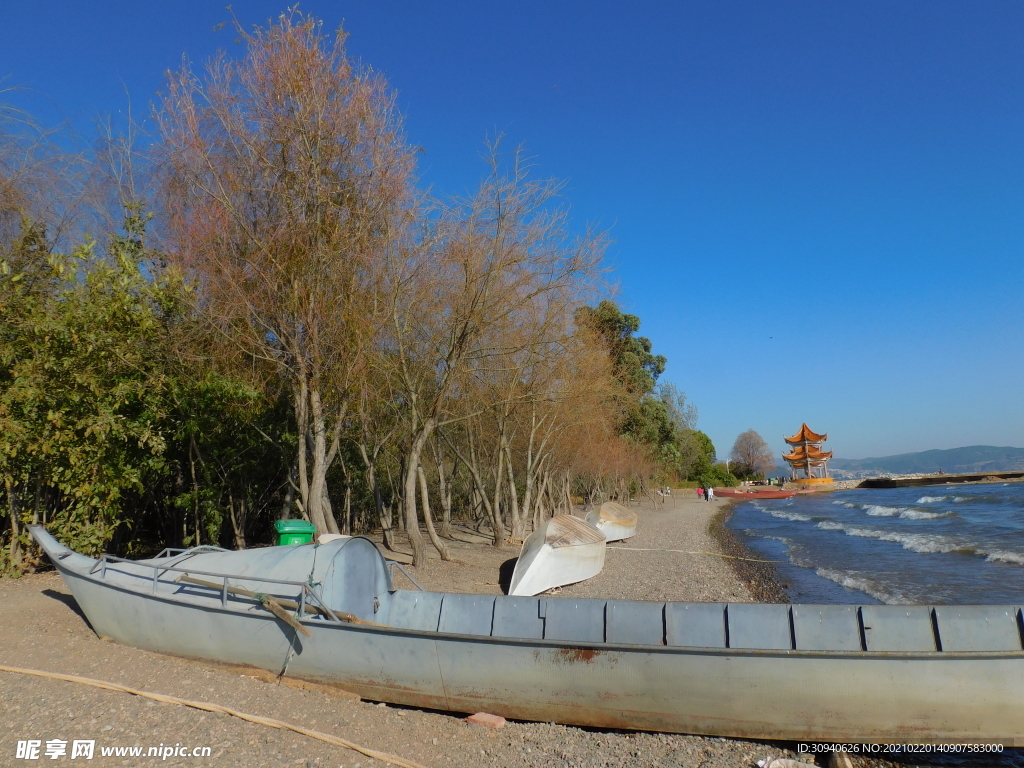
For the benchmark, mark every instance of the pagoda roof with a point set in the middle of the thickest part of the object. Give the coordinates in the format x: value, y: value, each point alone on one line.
x: 802, y: 454
x: 805, y: 435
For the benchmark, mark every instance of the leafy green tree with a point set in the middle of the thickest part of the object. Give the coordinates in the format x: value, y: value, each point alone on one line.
x: 84, y: 386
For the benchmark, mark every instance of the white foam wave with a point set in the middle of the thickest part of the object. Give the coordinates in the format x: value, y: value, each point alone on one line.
x: 931, y: 499
x: 877, y: 510
x: 863, y: 584
x: 846, y: 504
x: 907, y: 513
x: 915, y: 542
x: 794, y: 516
x: 1005, y: 557
x: 961, y: 499
x: 920, y: 514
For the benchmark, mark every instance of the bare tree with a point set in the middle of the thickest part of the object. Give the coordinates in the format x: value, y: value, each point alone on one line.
x: 286, y: 180
x: 494, y: 266
x: 752, y: 453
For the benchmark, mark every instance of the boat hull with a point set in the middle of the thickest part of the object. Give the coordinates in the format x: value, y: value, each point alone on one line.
x: 564, y: 550
x: 614, y: 521
x: 760, y: 695
x: 614, y: 678
x: 751, y: 495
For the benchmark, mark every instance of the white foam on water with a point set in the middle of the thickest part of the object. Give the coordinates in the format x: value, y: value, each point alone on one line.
x: 1005, y: 557
x: 846, y: 504
x: 961, y: 499
x: 863, y: 584
x: 794, y: 516
x: 931, y: 499
x: 915, y: 542
x: 877, y: 510
x: 920, y: 514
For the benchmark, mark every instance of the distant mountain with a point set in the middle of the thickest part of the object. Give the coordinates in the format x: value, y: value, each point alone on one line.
x: 973, y: 458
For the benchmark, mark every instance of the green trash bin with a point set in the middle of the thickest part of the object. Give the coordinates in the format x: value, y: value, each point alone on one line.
x: 294, y: 532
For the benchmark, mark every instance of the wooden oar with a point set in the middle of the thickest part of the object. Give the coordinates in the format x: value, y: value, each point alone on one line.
x: 282, y: 603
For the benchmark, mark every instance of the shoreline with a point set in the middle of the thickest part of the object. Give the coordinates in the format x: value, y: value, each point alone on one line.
x: 761, y: 579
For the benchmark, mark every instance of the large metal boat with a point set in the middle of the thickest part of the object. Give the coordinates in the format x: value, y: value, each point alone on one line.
x: 871, y: 673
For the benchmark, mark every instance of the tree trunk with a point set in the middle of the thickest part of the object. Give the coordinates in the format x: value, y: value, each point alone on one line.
x: 302, y: 426
x: 237, y: 520
x: 318, y: 478
x: 518, y: 521
x: 289, y: 495
x: 15, y: 551
x: 383, y: 513
x: 496, y: 522
x: 444, y: 489
x: 439, y: 545
x: 412, y: 523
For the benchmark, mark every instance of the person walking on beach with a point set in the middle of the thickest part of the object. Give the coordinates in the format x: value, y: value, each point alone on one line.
x: 711, y: 494
x: 700, y: 492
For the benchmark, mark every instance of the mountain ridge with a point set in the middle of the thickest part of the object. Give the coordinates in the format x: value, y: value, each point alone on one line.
x: 971, y: 458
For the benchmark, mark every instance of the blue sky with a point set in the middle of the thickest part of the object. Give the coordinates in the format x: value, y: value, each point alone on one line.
x: 816, y: 207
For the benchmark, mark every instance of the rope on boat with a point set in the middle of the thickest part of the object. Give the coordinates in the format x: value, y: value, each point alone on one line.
x: 208, y: 707
x: 712, y: 554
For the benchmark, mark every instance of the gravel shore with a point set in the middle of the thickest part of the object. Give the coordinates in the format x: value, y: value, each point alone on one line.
x: 43, y: 629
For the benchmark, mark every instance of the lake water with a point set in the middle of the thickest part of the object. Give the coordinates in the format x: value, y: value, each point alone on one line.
x: 939, y: 544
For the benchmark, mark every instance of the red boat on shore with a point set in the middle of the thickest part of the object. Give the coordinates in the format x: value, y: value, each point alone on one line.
x: 766, y: 493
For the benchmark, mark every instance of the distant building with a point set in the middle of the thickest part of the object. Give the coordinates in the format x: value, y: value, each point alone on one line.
x: 808, y: 463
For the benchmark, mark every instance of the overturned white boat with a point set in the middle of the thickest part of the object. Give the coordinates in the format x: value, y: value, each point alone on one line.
x: 613, y: 520
x: 562, y: 551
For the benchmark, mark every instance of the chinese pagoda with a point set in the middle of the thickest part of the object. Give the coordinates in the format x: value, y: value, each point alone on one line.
x: 806, y: 457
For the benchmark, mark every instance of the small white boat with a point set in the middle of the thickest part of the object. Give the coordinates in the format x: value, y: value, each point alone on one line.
x: 613, y: 520
x: 563, y: 550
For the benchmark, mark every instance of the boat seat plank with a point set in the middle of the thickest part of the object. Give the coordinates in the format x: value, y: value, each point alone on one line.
x: 695, y: 625
x: 415, y: 610
x: 466, y: 614
x: 978, y: 627
x: 517, y: 617
x: 757, y: 625
x: 579, y: 621
x: 898, y: 627
x: 826, y: 628
x: 634, y: 623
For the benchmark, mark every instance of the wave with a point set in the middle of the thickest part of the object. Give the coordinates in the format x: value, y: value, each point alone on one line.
x: 925, y: 544
x: 931, y: 499
x: 919, y: 514
x: 877, y: 510
x: 864, y: 584
x: 1000, y: 556
x: 907, y: 513
x: 794, y: 516
x: 846, y: 504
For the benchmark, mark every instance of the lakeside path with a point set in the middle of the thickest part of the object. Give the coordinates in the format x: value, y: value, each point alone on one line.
x: 41, y: 629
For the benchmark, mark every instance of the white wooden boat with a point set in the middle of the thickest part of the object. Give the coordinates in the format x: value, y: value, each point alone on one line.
x: 564, y: 550
x: 816, y: 673
x: 615, y: 521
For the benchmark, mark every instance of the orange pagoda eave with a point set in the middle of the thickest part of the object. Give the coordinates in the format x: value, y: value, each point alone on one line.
x: 807, y: 454
x: 806, y: 435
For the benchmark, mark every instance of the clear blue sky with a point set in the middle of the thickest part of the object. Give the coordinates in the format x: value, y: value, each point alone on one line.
x: 816, y: 207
